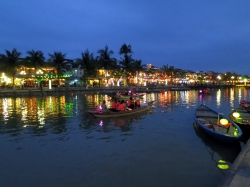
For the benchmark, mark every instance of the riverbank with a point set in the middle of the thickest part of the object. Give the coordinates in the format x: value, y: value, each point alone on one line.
x: 96, y: 90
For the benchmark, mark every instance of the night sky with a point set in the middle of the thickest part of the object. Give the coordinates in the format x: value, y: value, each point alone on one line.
x: 198, y: 35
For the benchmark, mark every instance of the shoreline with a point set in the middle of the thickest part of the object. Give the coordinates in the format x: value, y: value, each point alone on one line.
x: 97, y: 90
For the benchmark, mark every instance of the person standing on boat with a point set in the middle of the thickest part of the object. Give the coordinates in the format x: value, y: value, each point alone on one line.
x: 104, y: 106
x: 131, y: 103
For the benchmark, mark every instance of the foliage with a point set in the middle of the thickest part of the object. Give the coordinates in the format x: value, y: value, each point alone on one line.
x: 88, y: 64
x: 58, y: 58
x: 10, y: 63
x: 105, y: 57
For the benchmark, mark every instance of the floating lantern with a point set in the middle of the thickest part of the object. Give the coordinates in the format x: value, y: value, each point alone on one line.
x: 236, y: 114
x: 223, y: 121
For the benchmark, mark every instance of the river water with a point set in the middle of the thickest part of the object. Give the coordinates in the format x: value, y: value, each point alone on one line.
x: 52, y: 141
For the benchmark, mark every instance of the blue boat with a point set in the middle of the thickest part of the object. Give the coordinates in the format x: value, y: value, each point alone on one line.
x: 217, y: 125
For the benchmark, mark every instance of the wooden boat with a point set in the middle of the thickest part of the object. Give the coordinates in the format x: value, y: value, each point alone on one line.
x: 127, y: 97
x: 180, y: 88
x: 111, y: 113
x: 242, y: 118
x: 245, y: 104
x: 216, y: 125
x: 205, y: 91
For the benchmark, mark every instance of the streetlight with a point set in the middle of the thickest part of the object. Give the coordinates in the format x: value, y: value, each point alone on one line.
x: 232, y: 79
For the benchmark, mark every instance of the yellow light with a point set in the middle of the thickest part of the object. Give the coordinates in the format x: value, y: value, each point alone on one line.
x: 224, y: 121
x: 236, y: 114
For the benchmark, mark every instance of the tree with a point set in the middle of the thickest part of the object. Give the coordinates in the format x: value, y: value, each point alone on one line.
x: 36, y: 59
x: 137, y: 66
x: 105, y: 58
x: 88, y: 64
x: 127, y: 61
x: 107, y: 61
x: 58, y: 58
x: 10, y: 60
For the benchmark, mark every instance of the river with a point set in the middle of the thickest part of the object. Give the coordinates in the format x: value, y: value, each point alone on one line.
x: 53, y: 141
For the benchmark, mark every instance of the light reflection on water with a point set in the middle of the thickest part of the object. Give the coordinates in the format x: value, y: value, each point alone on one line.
x: 55, y: 137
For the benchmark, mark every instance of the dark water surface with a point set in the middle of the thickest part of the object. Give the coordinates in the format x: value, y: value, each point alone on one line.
x: 52, y: 141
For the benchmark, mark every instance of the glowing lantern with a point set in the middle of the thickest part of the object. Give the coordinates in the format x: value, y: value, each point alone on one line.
x: 224, y: 121
x: 236, y: 114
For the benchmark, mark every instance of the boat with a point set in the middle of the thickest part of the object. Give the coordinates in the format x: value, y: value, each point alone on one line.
x: 217, y: 125
x: 180, y: 88
x: 111, y: 113
x: 205, y: 91
x: 245, y: 105
x: 242, y: 118
x: 126, y: 97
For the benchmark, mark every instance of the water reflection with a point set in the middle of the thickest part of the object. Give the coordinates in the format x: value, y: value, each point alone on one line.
x: 52, y: 133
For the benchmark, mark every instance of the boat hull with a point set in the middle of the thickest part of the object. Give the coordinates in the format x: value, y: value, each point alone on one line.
x: 118, y: 113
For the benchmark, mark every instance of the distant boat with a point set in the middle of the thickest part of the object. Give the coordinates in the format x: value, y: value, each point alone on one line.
x: 245, y: 104
x: 180, y: 88
x: 205, y: 91
x: 216, y: 125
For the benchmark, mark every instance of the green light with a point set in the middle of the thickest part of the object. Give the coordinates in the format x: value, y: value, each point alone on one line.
x: 222, y: 164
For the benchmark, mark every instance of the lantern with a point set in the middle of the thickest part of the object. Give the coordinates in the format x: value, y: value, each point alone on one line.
x: 236, y: 114
x: 223, y: 121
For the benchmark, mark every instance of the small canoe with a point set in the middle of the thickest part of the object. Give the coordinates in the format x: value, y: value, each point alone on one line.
x: 242, y: 118
x: 127, y: 97
x: 217, y: 125
x: 111, y: 113
x: 205, y: 91
x: 245, y: 105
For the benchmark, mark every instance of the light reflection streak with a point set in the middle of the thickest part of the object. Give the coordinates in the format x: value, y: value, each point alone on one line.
x: 232, y: 97
x: 101, y: 123
x: 5, y: 110
x: 218, y: 98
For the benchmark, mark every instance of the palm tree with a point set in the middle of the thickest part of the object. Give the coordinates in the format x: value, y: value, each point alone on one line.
x: 137, y: 67
x: 88, y: 64
x: 125, y: 49
x: 10, y: 60
x: 36, y: 59
x: 127, y: 61
x: 58, y: 58
x: 105, y: 58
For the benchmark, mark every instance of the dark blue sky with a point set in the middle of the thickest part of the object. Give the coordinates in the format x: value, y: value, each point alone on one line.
x: 199, y: 35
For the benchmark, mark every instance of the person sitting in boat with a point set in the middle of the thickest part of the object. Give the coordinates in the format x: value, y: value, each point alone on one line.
x: 104, y: 106
x: 114, y: 104
x: 121, y: 106
x: 131, y: 103
x: 117, y: 104
x: 137, y: 102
